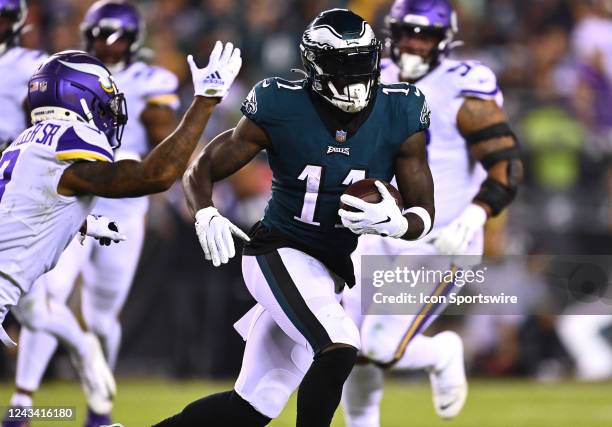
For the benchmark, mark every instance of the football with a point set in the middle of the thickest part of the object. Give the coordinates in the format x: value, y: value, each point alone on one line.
x: 367, y: 191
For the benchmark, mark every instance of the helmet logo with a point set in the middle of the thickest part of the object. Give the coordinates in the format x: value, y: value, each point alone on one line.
x: 107, y: 84
x: 104, y: 77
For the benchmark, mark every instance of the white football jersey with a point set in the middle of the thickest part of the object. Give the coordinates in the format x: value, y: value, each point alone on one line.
x: 457, y: 178
x: 142, y: 84
x: 37, y: 223
x: 16, y: 67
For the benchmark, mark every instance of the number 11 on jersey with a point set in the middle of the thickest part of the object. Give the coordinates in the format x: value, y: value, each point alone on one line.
x: 313, y: 175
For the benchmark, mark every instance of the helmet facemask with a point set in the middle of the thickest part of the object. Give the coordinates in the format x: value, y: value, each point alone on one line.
x: 346, y: 77
x: 110, y: 35
x: 14, y: 15
x: 110, y: 22
x: 415, y: 65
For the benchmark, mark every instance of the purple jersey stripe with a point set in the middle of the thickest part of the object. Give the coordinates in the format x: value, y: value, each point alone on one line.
x: 71, y: 141
x: 480, y: 92
x: 7, y: 164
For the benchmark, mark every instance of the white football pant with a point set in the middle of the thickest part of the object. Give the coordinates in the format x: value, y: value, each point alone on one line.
x: 392, y: 340
x: 298, y: 314
x: 107, y: 272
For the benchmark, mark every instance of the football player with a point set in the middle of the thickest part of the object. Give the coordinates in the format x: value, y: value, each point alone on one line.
x: 50, y: 173
x: 17, y: 64
x: 112, y: 32
x: 322, y: 133
x: 474, y: 159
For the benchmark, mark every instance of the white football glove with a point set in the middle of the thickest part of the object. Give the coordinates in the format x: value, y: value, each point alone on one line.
x: 102, y: 229
x: 216, y: 78
x: 215, y: 234
x: 455, y: 237
x: 384, y: 218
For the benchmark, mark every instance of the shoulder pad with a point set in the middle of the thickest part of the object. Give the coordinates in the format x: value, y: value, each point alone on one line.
x: 83, y: 142
x: 283, y: 84
x: 409, y: 106
x: 30, y: 59
x: 386, y: 62
x: 159, y: 86
x: 389, y: 71
x: 401, y: 89
x: 474, y: 79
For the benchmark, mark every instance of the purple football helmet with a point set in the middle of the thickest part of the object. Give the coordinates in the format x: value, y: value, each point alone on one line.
x: 73, y: 85
x: 433, y: 17
x: 15, y: 11
x: 113, y: 19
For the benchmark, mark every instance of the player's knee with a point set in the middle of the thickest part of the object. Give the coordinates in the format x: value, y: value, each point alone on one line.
x: 339, y: 326
x: 449, y: 339
x: 32, y: 311
x: 378, y: 345
x: 270, y: 395
x: 103, y: 324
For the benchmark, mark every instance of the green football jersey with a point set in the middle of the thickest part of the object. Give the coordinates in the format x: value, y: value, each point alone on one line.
x: 313, y: 164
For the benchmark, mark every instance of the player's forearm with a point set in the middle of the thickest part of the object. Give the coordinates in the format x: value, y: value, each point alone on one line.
x: 226, y: 154
x: 417, y: 188
x: 168, y: 161
x: 198, y: 184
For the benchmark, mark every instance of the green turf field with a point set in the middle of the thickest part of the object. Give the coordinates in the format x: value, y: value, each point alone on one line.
x: 491, y: 404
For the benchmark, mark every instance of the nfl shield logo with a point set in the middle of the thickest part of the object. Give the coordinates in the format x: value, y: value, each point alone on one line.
x: 340, y: 136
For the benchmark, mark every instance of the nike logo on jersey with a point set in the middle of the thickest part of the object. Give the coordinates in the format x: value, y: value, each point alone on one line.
x: 265, y: 83
x: 339, y: 150
x: 383, y: 222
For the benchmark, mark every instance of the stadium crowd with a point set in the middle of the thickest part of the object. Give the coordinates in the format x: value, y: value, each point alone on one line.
x: 553, y: 59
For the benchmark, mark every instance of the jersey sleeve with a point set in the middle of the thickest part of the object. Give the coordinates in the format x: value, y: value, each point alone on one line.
x: 259, y: 104
x: 161, y: 88
x: 83, y: 143
x: 413, y: 111
x: 475, y: 80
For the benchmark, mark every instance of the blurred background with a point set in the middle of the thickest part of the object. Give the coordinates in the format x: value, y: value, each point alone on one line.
x: 553, y: 59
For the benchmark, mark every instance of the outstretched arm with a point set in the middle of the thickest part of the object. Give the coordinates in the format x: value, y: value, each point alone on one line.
x: 169, y: 159
x: 157, y: 172
x: 225, y: 154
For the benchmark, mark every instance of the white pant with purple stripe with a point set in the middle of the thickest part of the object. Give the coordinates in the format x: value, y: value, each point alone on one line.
x: 385, y: 337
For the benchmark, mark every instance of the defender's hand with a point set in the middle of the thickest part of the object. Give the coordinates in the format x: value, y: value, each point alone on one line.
x: 455, y: 237
x: 215, y: 234
x: 384, y: 218
x: 102, y: 229
x: 216, y: 78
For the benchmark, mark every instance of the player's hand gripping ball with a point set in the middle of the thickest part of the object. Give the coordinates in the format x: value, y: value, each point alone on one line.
x: 373, y: 206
